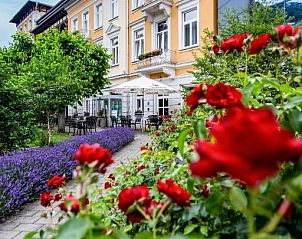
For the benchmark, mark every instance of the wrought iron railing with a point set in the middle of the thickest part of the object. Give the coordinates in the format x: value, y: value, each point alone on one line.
x: 164, y: 56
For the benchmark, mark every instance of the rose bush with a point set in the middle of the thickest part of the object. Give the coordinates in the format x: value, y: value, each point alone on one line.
x: 227, y: 166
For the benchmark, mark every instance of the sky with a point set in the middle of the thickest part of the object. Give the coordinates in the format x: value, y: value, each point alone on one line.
x: 8, y: 8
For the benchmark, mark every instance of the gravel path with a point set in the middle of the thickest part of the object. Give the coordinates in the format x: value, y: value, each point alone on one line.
x: 29, y: 219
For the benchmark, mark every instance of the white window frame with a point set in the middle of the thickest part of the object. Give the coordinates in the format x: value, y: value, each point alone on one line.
x: 182, y: 9
x: 141, y: 40
x: 113, y: 9
x: 98, y: 16
x: 75, y: 24
x: 163, y: 97
x: 114, y: 51
x: 29, y: 25
x: 155, y: 28
x: 85, y: 31
x: 137, y: 3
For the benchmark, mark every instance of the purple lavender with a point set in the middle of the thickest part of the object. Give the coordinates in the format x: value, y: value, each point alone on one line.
x: 24, y: 173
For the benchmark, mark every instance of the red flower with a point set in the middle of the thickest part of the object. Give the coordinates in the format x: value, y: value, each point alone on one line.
x: 157, y: 133
x: 223, y: 96
x: 56, y: 181
x: 58, y: 197
x: 249, y: 146
x: 45, y: 199
x: 284, y: 30
x: 174, y: 192
x: 233, y: 43
x: 193, y: 100
x: 140, y: 168
x: 156, y: 171
x: 88, y: 154
x: 130, y: 196
x: 259, y: 43
x: 215, y: 49
x: 107, y: 185
x: 72, y: 203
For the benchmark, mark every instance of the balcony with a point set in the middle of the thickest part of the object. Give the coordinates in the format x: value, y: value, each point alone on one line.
x: 155, y: 7
x: 85, y: 32
x: 157, y: 61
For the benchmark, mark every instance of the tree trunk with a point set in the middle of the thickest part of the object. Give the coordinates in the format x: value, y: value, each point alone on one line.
x: 61, y: 120
x: 48, y: 138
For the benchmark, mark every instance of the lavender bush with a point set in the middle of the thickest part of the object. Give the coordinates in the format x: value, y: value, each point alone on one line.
x: 24, y: 173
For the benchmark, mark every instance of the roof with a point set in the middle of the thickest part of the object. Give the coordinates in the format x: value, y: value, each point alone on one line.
x: 28, y: 6
x: 56, y: 13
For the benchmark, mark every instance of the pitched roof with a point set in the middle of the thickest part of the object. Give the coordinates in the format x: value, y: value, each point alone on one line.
x: 27, y: 7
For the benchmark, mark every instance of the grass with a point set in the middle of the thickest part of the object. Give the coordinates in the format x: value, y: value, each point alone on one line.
x: 56, y: 137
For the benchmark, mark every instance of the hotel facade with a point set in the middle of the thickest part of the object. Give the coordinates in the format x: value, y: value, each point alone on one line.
x: 158, y: 39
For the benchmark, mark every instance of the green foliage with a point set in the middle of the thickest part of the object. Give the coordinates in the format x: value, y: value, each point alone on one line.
x: 16, y: 124
x: 258, y: 19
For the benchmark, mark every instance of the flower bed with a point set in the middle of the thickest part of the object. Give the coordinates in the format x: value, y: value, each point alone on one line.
x: 24, y: 174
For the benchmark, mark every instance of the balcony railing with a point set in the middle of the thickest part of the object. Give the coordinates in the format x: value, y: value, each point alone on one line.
x: 157, y: 58
x: 85, y: 32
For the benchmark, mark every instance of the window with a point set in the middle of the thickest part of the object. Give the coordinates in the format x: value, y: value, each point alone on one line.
x: 114, y: 51
x: 29, y: 25
x: 98, y: 16
x: 88, y: 106
x: 137, y: 3
x: 190, y: 28
x: 75, y: 25
x: 85, y: 23
x: 162, y: 35
x: 163, y: 105
x: 113, y: 8
x: 139, y: 43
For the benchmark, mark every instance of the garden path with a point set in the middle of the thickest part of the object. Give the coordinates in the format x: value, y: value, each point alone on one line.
x: 29, y: 219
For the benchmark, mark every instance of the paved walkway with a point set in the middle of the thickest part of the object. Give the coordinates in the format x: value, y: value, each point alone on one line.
x: 29, y: 219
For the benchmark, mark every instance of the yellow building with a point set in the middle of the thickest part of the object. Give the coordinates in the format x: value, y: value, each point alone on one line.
x: 154, y: 38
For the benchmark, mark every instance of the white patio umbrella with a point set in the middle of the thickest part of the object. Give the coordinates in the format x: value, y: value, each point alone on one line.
x: 141, y: 85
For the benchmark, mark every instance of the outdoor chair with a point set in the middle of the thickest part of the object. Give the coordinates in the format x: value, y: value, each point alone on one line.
x: 137, y: 121
x: 91, y: 123
x: 152, y: 121
x: 123, y: 121
x: 113, y: 121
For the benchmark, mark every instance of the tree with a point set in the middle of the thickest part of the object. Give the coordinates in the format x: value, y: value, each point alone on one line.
x: 65, y: 67
x: 258, y: 19
x: 16, y: 124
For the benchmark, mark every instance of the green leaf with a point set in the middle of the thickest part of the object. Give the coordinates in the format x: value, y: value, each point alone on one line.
x: 190, y: 184
x: 200, y: 129
x: 75, y: 228
x: 30, y: 235
x: 182, y: 139
x: 204, y: 230
x: 238, y: 199
x: 295, y: 120
x: 144, y: 235
x: 128, y: 228
x: 190, y: 228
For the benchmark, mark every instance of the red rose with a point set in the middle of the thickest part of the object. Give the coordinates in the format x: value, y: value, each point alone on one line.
x: 140, y: 168
x: 88, y: 154
x: 193, y: 99
x: 215, y: 49
x: 284, y: 30
x: 134, y: 195
x: 233, y: 43
x: 174, y: 192
x: 259, y: 43
x: 58, y: 197
x: 223, y: 96
x: 107, y: 185
x: 45, y: 199
x: 156, y: 171
x: 72, y: 203
x: 56, y: 181
x: 249, y: 146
